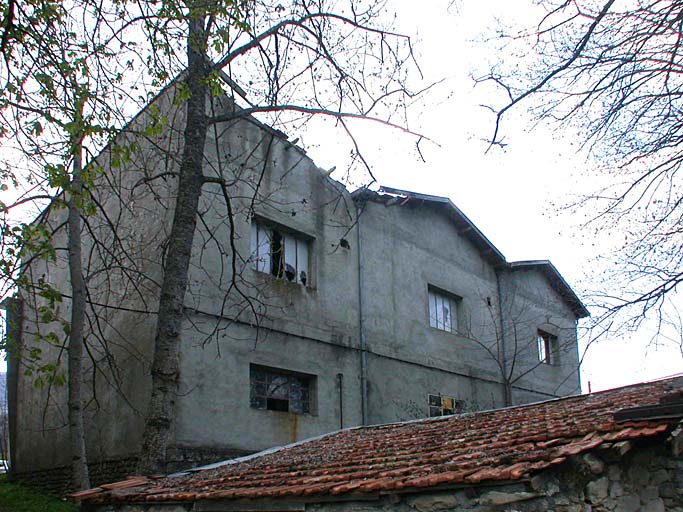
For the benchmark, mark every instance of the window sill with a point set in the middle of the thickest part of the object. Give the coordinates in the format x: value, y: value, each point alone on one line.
x: 271, y: 279
x: 288, y: 413
x: 454, y: 333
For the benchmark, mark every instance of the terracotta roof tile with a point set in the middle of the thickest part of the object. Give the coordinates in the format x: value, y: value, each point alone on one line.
x: 500, y: 445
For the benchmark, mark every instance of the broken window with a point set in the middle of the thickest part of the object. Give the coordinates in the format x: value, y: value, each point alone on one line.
x: 280, y: 390
x: 441, y: 405
x: 546, y: 347
x: 443, y: 310
x: 280, y: 253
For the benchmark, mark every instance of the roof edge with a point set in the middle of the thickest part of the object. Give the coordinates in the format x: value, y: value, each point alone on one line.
x: 557, y: 282
x: 474, y: 234
x: 470, y: 227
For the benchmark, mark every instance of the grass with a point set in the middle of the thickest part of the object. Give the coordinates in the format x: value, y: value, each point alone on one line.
x: 19, y: 498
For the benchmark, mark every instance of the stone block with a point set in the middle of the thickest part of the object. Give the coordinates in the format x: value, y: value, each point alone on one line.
x: 660, y: 476
x: 628, y: 503
x: 597, y: 490
x: 649, y: 493
x: 430, y: 503
x: 639, y: 475
x: 593, y: 463
x: 548, y: 485
x: 614, y: 473
x: 616, y: 489
x: 503, y: 498
x: 654, y: 506
x: 668, y: 490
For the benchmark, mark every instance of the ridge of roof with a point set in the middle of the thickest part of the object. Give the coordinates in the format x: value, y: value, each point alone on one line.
x: 467, y: 450
x: 472, y: 233
x: 557, y: 281
x: 498, y: 257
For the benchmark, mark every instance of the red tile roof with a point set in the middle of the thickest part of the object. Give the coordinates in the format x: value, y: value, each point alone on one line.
x: 499, y: 445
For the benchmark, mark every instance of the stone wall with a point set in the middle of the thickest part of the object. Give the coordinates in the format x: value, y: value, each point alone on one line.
x: 57, y: 480
x: 645, y: 479
x: 185, y: 457
x: 649, y: 480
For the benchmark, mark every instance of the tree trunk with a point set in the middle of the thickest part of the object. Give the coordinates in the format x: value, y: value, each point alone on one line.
x: 79, y: 462
x: 507, y: 392
x: 165, y: 365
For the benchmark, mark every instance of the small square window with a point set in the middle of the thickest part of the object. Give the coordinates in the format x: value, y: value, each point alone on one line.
x: 443, y: 310
x: 280, y: 390
x: 280, y: 253
x: 441, y: 405
x: 547, y: 346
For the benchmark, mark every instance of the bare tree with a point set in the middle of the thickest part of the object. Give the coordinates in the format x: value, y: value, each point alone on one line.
x: 612, y: 70
x: 287, y: 61
x: 57, y: 103
x: 296, y: 60
x: 520, y: 337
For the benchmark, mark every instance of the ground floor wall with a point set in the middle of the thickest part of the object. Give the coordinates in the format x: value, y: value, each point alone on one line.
x: 221, y: 413
x: 224, y: 405
x: 255, y: 389
x: 57, y: 480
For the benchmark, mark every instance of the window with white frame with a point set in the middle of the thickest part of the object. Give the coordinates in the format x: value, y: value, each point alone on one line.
x: 546, y: 344
x: 280, y: 253
x: 443, y: 310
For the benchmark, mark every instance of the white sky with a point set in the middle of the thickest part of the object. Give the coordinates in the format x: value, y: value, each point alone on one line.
x: 508, y: 194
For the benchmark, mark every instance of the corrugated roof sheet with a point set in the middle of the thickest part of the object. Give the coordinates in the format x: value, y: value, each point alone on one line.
x: 498, y: 445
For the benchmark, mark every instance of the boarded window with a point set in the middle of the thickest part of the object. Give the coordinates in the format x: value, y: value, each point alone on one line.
x: 442, y: 405
x: 280, y: 253
x: 280, y: 390
x: 443, y: 310
x: 547, y: 347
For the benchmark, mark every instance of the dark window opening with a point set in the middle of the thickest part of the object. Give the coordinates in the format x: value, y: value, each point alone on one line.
x: 280, y: 253
x: 546, y: 344
x: 277, y: 254
x: 280, y: 390
x: 441, y: 405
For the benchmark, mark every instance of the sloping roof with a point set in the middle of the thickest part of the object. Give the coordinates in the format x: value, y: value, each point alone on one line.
x: 490, y: 252
x: 464, y: 225
x: 556, y: 281
x: 468, y: 449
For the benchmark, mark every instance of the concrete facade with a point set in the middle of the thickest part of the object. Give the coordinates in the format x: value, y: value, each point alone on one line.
x: 356, y: 337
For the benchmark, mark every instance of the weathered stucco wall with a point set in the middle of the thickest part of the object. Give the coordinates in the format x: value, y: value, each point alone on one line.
x: 530, y: 304
x: 122, y: 257
x: 407, y: 249
x: 242, y: 317
x: 238, y: 317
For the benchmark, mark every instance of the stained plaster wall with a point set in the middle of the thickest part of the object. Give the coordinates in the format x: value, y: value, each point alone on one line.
x: 122, y: 273
x: 407, y: 248
x: 530, y: 304
x: 308, y: 329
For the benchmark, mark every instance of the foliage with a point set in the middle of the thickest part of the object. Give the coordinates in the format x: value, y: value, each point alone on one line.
x: 18, y: 498
x: 74, y: 72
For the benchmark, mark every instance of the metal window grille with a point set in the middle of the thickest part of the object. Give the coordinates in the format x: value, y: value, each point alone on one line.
x: 280, y: 390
